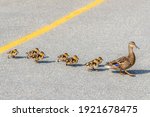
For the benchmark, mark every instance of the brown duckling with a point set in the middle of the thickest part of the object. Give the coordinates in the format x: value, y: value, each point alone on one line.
x: 39, y: 56
x: 12, y: 53
x: 125, y: 62
x: 92, y: 65
x: 72, y: 60
x: 62, y: 57
x: 32, y: 53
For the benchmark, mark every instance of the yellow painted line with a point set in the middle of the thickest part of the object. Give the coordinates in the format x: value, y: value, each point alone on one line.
x: 47, y: 28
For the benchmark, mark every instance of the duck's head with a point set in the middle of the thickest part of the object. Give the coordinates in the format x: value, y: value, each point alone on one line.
x: 133, y: 45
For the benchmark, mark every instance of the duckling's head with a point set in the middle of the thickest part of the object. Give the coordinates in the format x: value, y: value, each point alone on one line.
x: 76, y: 57
x: 100, y: 58
x: 42, y: 53
x: 66, y: 54
x: 37, y: 49
x: 16, y: 50
x: 133, y: 45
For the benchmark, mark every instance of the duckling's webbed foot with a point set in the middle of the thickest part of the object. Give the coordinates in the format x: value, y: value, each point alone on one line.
x: 133, y: 75
x: 13, y: 56
x: 94, y: 69
x: 88, y: 69
x: 27, y: 57
x: 36, y: 61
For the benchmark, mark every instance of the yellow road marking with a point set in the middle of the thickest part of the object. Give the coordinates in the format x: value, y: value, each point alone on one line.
x: 47, y: 28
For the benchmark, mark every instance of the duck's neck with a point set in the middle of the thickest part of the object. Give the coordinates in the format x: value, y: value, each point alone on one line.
x: 131, y: 55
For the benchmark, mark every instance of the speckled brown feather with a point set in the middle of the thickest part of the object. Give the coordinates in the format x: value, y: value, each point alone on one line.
x: 124, y: 62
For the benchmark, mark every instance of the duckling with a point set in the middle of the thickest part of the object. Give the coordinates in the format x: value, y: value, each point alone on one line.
x: 125, y: 62
x: 92, y: 65
x: 39, y: 56
x: 72, y: 60
x: 97, y: 62
x: 62, y: 57
x: 12, y: 53
x: 31, y: 53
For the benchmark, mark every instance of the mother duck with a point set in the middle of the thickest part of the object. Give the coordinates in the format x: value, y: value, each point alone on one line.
x: 125, y: 62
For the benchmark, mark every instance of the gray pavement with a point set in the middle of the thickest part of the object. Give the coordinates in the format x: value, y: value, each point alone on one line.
x: 103, y: 31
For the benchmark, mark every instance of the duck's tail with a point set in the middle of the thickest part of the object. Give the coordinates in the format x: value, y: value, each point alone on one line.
x: 107, y: 65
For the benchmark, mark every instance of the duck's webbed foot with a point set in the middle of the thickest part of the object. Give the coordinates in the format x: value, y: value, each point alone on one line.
x: 133, y: 75
x: 122, y: 72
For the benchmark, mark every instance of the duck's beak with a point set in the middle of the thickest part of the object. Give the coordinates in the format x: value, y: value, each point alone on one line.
x: 137, y: 47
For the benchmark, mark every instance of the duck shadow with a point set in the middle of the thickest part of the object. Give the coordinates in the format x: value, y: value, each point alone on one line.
x: 139, y: 71
x: 45, y: 61
x: 76, y: 65
x: 20, y: 57
x: 135, y: 71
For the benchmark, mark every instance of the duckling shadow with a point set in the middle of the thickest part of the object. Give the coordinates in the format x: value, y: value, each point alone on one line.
x: 46, y: 61
x: 135, y: 71
x: 46, y: 56
x: 100, y: 70
x: 20, y: 57
x: 76, y: 65
x: 101, y: 65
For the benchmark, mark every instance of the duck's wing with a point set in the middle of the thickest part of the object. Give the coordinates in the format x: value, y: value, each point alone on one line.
x: 122, y: 60
x: 119, y: 61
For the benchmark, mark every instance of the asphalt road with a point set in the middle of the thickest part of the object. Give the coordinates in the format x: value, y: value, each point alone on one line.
x: 103, y: 31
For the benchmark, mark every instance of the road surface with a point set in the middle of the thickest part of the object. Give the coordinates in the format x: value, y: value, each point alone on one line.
x: 104, y: 30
